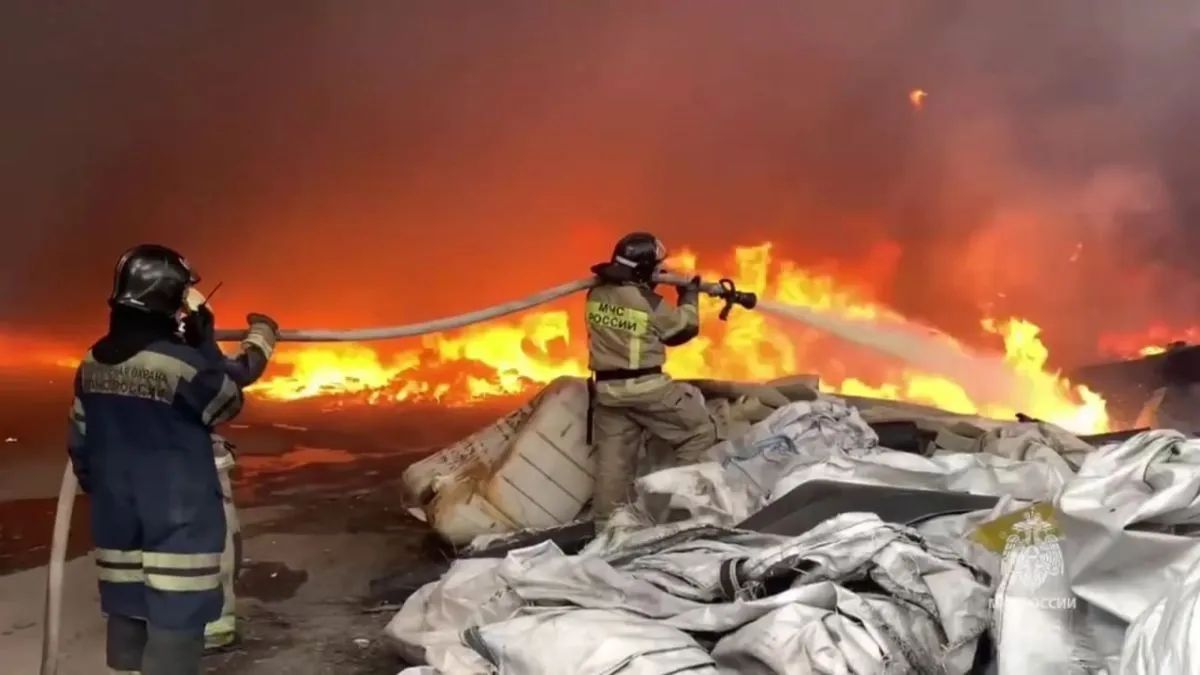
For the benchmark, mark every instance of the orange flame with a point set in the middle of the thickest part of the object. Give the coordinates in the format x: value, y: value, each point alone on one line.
x: 917, y: 98
x: 481, y: 361
x: 516, y: 357
x: 1049, y: 394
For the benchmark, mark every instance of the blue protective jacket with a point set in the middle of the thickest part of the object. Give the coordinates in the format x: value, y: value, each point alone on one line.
x: 140, y: 443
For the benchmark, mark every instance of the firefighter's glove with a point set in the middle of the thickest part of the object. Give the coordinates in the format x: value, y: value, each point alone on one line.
x: 198, y: 327
x: 263, y: 333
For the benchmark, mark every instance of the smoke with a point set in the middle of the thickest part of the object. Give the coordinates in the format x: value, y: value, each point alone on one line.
x: 343, y: 164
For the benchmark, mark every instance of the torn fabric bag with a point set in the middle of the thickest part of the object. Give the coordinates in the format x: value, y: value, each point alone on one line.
x: 885, y: 600
x: 588, y: 642
x: 1037, y: 624
x: 1035, y: 441
x: 743, y: 473
x: 826, y: 440
x: 1075, y: 575
x: 833, y: 630
x: 428, y: 627
x: 1127, y: 520
x: 811, y: 429
x: 977, y: 473
x: 1166, y: 637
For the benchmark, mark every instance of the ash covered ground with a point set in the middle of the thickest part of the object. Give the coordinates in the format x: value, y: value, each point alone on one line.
x: 319, y: 499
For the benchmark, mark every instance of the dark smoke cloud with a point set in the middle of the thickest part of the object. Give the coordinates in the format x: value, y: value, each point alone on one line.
x: 344, y: 163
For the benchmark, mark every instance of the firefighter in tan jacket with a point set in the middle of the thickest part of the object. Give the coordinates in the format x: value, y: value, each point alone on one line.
x: 244, y: 368
x: 629, y: 328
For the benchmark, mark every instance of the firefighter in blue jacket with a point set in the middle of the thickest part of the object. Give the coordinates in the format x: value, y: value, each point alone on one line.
x: 146, y: 401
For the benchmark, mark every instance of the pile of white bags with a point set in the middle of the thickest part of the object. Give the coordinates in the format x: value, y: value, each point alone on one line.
x: 853, y: 595
x: 1088, y: 570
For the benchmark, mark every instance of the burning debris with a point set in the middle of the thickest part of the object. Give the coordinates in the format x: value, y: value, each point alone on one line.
x: 517, y: 357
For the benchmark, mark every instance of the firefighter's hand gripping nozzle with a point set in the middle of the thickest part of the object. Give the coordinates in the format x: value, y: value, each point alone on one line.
x: 727, y: 291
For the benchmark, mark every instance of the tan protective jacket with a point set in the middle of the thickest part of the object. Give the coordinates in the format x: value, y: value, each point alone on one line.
x: 630, y: 326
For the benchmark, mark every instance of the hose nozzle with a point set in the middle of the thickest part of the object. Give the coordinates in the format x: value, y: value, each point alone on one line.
x: 732, y: 296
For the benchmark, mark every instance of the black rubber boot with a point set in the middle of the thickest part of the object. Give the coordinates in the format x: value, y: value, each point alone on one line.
x: 125, y: 642
x: 172, y: 652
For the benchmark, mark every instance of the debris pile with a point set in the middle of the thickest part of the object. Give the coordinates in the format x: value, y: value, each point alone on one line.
x: 810, y: 544
x: 533, y: 468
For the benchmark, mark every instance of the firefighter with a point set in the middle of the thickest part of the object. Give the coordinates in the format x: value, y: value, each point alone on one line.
x: 629, y: 328
x: 146, y: 404
x: 244, y: 367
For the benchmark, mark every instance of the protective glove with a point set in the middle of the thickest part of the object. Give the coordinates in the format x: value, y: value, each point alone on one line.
x: 689, y: 292
x: 254, y: 319
x: 263, y: 333
x: 199, y: 327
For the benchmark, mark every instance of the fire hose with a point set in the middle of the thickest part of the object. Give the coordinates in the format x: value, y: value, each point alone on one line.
x: 723, y: 289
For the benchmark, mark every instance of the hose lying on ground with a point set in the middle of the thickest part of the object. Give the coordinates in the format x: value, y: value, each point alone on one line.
x: 58, y: 556
x: 66, y: 495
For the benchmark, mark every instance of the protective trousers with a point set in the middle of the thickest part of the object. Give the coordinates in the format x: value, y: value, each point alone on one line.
x: 134, y: 647
x: 223, y: 631
x: 623, y: 411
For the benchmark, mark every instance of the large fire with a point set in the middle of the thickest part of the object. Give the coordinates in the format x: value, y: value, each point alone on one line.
x: 514, y: 357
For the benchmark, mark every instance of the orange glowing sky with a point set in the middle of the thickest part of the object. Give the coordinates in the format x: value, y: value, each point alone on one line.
x: 392, y: 162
